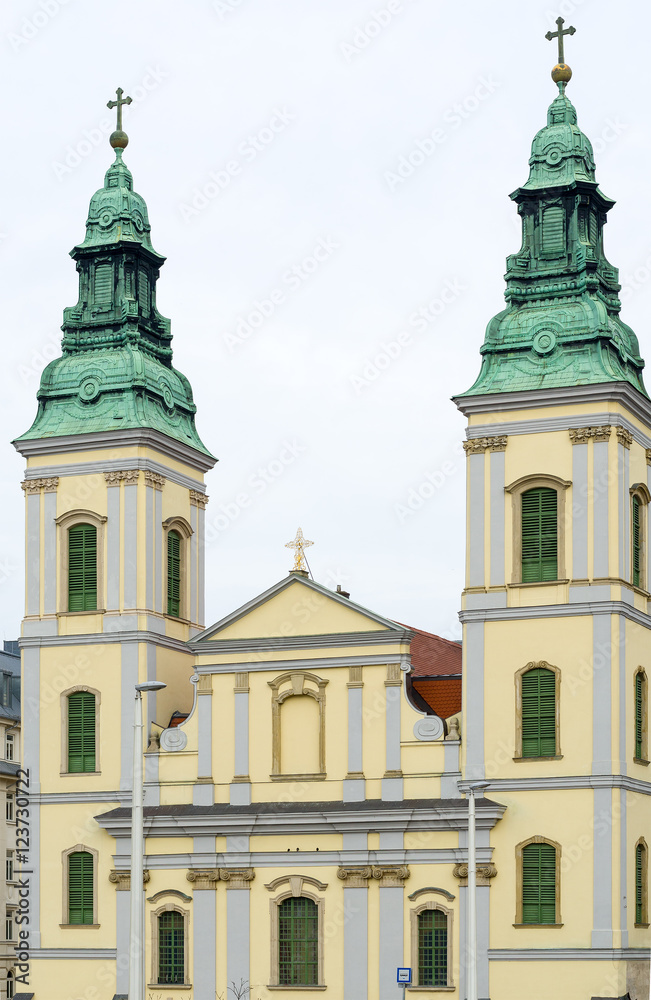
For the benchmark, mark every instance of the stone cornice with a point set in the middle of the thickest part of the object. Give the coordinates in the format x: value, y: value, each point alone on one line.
x: 358, y: 876
x: 154, y: 479
x: 581, y: 435
x: 198, y: 499
x: 48, y: 485
x: 476, y: 446
x: 484, y: 874
x: 145, y: 436
x: 619, y: 392
x: 122, y: 879
x: 115, y: 477
x: 624, y: 437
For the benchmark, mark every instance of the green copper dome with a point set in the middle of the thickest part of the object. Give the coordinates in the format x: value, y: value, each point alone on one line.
x: 561, y: 326
x: 116, y: 370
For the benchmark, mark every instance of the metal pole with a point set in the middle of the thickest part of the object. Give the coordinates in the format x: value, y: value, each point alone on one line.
x: 136, y: 946
x: 472, y: 901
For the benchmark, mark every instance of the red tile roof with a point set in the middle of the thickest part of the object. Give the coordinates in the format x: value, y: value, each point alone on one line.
x: 443, y: 694
x: 432, y: 655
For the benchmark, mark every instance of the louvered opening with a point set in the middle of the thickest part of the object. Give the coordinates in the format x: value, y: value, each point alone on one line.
x: 432, y: 948
x: 594, y: 229
x: 171, y: 948
x: 174, y: 573
x: 81, y: 732
x: 298, y: 942
x: 538, y: 713
x: 636, y: 528
x: 80, y: 888
x: 82, y: 568
x: 539, y: 535
x: 640, y: 887
x: 539, y: 884
x: 103, y: 284
x: 640, y: 699
x: 553, y: 228
x: 144, y: 292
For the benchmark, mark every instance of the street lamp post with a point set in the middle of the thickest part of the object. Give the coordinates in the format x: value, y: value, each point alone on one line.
x: 137, y: 942
x: 470, y: 787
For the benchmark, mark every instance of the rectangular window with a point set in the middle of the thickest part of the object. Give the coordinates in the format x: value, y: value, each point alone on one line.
x: 640, y: 884
x: 9, y: 866
x: 639, y: 716
x: 9, y: 925
x: 171, y: 948
x: 174, y: 573
x: 636, y: 517
x: 9, y: 746
x: 539, y: 535
x: 81, y: 732
x: 82, y: 568
x: 80, y: 888
x: 539, y: 884
x: 298, y: 942
x: 538, y: 713
x: 10, y: 804
x: 432, y: 948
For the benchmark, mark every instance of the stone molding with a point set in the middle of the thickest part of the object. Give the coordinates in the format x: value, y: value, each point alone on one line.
x: 31, y: 486
x: 581, y: 435
x: 154, y: 479
x: 122, y: 879
x: 203, y: 878
x: 355, y: 877
x: 296, y: 883
x: 476, y: 446
x: 129, y: 476
x: 390, y: 875
x: 241, y: 683
x: 198, y: 499
x: 237, y: 878
x: 484, y: 874
x: 624, y: 437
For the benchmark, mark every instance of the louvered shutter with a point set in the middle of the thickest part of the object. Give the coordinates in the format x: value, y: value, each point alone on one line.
x: 539, y: 884
x: 553, y: 227
x: 539, y: 535
x: 538, y: 713
x: 174, y: 573
x: 103, y: 284
x: 639, y: 715
x: 80, y: 888
x: 82, y: 568
x: 81, y: 732
x: 640, y: 859
x: 637, y: 541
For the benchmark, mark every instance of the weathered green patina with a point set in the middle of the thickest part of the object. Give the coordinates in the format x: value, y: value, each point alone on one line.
x: 561, y: 326
x: 116, y: 370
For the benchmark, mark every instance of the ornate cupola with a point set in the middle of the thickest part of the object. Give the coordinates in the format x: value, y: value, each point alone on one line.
x: 561, y: 326
x: 116, y: 369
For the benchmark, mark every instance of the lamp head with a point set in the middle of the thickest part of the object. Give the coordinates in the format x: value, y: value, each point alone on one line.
x: 151, y: 686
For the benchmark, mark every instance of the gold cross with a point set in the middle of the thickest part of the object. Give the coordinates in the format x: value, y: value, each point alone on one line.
x: 559, y: 34
x: 118, y: 104
x: 299, y: 545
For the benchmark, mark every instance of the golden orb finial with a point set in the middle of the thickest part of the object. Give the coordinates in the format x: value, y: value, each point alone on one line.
x: 561, y: 73
x: 119, y: 139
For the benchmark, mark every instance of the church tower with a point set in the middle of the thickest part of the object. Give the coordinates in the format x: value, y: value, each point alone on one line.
x: 115, y: 500
x: 557, y: 629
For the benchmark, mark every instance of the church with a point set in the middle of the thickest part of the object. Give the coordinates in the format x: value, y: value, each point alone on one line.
x: 306, y: 818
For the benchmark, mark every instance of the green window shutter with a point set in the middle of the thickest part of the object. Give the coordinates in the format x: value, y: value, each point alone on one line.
x: 82, y: 568
x: 539, y: 535
x: 539, y: 884
x: 432, y: 948
x: 171, y: 948
x: 298, y: 942
x: 103, y: 284
x: 81, y: 732
x: 553, y: 228
x: 639, y: 715
x: 538, y: 713
x: 637, y: 541
x: 640, y: 865
x: 80, y: 888
x: 174, y: 573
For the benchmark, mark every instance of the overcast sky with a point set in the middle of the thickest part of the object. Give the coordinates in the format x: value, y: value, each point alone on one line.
x: 266, y: 138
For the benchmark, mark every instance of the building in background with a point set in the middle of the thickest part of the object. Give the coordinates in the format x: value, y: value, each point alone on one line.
x: 9, y: 765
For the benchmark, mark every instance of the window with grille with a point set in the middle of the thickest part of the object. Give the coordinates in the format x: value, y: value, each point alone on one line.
x: 80, y: 888
x: 9, y: 746
x: 636, y: 528
x: 82, y: 568
x: 298, y: 942
x: 539, y: 884
x: 539, y: 535
x: 9, y: 866
x: 9, y: 925
x: 10, y: 803
x: 11, y: 986
x: 81, y: 732
x: 171, y: 948
x: 640, y: 715
x: 432, y: 948
x: 538, y: 713
x: 641, y: 916
x: 173, y: 573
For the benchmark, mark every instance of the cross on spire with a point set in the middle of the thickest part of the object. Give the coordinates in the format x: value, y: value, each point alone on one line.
x: 118, y: 104
x: 299, y: 544
x: 559, y: 34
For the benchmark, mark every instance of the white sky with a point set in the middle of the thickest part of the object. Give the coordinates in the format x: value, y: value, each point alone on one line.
x: 209, y: 76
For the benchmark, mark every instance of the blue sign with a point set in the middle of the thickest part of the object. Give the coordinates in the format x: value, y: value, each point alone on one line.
x: 404, y: 976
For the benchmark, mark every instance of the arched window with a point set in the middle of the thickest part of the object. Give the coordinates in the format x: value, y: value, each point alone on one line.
x: 641, y: 715
x: 432, y: 948
x: 298, y: 942
x: 538, y: 877
x: 174, y: 573
x: 539, y: 535
x: 82, y: 567
x: 636, y: 528
x: 641, y: 884
x: 171, y: 947
x: 80, y: 888
x: 539, y: 713
x: 640, y: 498
x: 81, y: 732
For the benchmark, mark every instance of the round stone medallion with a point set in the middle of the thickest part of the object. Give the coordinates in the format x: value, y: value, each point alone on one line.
x: 544, y: 342
x: 428, y: 729
x: 173, y: 739
x: 89, y: 390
